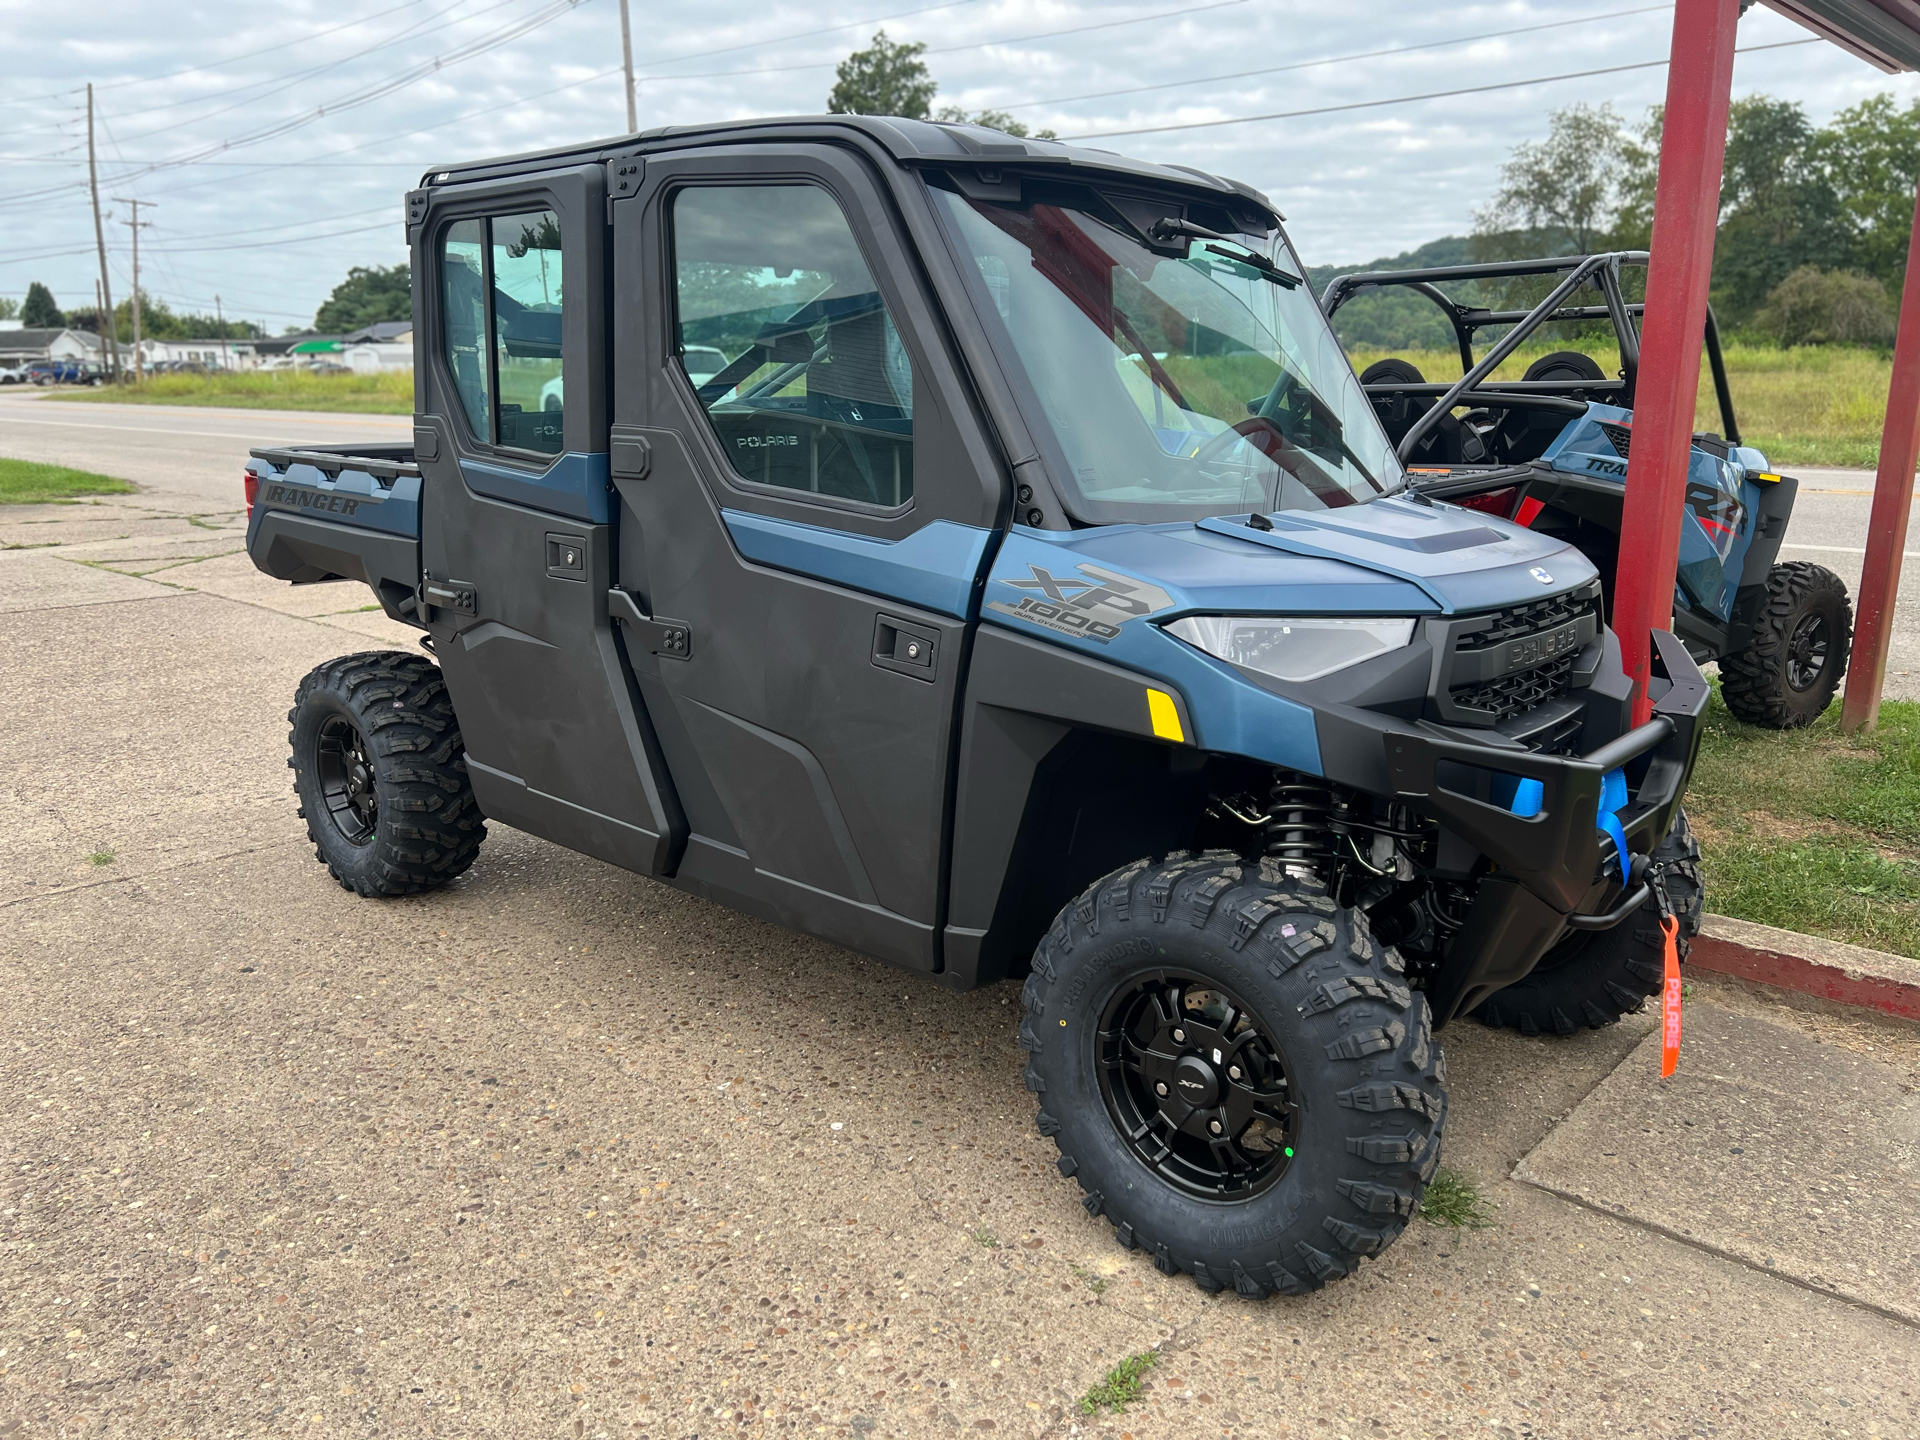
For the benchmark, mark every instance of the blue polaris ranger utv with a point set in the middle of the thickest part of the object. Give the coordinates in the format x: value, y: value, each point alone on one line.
x: 978, y: 552
x: 1549, y: 451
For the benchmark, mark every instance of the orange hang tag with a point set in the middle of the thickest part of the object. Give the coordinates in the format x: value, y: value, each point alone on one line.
x: 1670, y: 1001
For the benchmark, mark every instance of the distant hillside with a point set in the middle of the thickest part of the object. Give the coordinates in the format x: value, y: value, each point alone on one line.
x: 1395, y: 319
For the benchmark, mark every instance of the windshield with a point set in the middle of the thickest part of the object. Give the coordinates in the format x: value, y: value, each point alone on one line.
x: 1174, y: 387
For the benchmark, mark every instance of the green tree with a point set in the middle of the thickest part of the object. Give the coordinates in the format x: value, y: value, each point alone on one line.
x: 39, y: 312
x: 994, y: 120
x: 1779, y: 211
x: 884, y: 79
x: 1828, y: 307
x: 1568, y: 184
x: 1871, y: 154
x: 369, y: 295
x: 9, y: 308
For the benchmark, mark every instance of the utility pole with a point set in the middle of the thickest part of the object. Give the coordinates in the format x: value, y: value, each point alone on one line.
x: 136, y: 224
x: 220, y: 317
x: 626, y: 60
x: 100, y: 241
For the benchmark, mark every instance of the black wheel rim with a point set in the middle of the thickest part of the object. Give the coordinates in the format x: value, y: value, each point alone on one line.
x: 345, y: 769
x: 1196, y: 1086
x: 1807, y: 652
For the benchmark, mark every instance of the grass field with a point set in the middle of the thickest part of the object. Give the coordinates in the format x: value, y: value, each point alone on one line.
x: 1811, y: 405
x: 1812, y: 830
x: 388, y: 393
x: 22, y: 482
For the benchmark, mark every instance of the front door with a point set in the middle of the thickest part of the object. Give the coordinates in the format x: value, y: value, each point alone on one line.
x: 806, y: 539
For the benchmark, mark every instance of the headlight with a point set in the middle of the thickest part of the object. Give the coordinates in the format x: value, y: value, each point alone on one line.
x: 1293, y: 649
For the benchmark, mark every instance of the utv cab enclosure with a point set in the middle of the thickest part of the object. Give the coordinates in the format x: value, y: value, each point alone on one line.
x: 979, y: 553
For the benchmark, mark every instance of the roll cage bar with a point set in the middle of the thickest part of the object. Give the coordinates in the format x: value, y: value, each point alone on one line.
x: 1568, y: 396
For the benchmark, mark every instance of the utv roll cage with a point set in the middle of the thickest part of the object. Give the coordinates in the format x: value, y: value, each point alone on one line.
x: 1568, y: 397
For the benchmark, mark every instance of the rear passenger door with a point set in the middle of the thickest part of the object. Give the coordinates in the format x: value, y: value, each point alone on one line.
x: 807, y: 535
x: 516, y: 532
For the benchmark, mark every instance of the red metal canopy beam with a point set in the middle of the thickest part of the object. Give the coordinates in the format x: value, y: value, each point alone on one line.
x: 1892, y: 499
x: 1686, y: 212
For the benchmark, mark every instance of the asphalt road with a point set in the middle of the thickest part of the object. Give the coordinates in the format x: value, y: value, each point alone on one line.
x: 559, y: 1152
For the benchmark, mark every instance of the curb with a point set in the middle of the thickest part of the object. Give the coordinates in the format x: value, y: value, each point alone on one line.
x: 1825, y: 970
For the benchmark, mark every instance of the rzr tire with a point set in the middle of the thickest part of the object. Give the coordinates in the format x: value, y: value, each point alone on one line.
x: 1787, y: 675
x: 381, y: 774
x: 1593, y: 977
x: 1354, y: 1042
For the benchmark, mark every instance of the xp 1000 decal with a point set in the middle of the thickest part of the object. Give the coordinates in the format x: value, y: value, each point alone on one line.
x: 1094, y: 603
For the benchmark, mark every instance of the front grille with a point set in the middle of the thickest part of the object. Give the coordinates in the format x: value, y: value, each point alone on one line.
x: 1618, y: 436
x: 1530, y: 619
x: 1520, y: 686
x: 1517, y: 693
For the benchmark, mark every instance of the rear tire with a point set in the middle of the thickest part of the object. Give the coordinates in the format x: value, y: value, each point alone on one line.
x: 1293, y: 1030
x: 1593, y: 977
x: 381, y: 774
x: 1787, y: 675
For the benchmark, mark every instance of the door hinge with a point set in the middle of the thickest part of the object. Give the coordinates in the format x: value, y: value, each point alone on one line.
x: 451, y: 595
x: 670, y: 638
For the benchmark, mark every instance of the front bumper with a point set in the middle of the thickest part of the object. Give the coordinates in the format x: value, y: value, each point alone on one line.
x: 1546, y: 866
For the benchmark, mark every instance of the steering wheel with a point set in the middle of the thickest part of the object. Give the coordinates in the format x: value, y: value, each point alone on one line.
x: 1246, y: 429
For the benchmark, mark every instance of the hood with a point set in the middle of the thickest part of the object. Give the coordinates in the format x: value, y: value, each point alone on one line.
x: 1461, y: 560
x: 1389, y: 557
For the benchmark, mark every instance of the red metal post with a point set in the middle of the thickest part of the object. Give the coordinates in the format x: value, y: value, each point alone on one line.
x: 1686, y: 212
x: 1892, y: 498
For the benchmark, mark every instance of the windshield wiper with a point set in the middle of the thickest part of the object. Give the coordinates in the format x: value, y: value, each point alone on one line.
x: 1285, y: 279
x: 1171, y: 227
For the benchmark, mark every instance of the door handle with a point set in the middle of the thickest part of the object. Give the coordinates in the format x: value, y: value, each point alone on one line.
x: 670, y: 638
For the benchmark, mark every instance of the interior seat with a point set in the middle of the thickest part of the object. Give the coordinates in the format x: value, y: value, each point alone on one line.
x: 1443, y: 444
x: 1525, y: 434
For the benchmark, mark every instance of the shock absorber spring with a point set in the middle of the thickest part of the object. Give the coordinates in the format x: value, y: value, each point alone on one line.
x: 1298, y: 834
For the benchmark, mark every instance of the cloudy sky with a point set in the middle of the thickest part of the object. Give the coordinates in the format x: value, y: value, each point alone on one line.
x: 273, y: 141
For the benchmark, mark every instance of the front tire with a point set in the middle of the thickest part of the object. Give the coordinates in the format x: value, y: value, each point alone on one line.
x: 1787, y: 675
x: 1593, y: 977
x: 1235, y: 1072
x: 381, y: 774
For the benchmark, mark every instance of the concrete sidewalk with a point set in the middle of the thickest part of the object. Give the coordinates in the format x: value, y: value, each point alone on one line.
x: 560, y: 1152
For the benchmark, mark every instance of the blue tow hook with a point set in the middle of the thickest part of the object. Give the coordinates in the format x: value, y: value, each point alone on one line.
x: 1528, y: 795
x: 1613, y: 799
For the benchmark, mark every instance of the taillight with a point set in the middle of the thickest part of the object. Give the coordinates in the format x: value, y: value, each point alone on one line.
x: 252, y: 483
x: 1494, y: 502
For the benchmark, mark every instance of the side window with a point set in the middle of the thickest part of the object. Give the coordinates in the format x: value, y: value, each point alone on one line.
x: 463, y: 307
x: 526, y: 330
x: 502, y: 304
x: 782, y: 332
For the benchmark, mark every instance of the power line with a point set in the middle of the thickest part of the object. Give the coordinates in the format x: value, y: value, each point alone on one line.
x: 1410, y: 99
x: 350, y: 101
x: 951, y: 49
x: 215, y: 64
x: 806, y: 34
x: 1339, y: 59
x: 297, y: 76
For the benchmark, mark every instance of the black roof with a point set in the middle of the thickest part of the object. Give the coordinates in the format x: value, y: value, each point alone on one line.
x: 912, y: 142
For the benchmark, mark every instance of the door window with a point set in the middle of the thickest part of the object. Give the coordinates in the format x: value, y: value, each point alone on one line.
x: 502, y: 309
x: 783, y: 334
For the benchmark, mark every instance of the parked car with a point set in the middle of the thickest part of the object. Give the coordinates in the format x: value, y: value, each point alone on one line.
x: 65, y: 372
x: 13, y: 374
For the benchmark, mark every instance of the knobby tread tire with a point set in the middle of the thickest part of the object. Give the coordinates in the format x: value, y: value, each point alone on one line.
x: 1753, y: 681
x: 1357, y: 1045
x: 429, y: 826
x: 1592, y: 978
